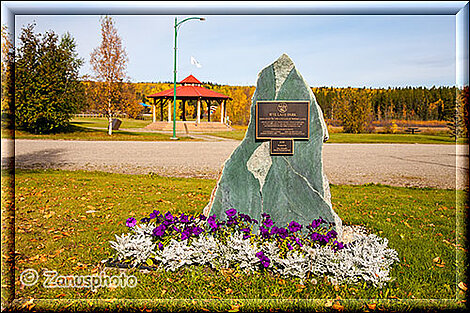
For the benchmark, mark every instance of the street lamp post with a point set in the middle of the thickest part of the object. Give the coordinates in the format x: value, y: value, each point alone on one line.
x: 177, y: 24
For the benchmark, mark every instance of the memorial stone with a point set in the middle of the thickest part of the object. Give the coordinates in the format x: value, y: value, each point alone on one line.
x: 277, y: 169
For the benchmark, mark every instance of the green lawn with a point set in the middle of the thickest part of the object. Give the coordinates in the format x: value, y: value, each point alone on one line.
x: 393, y: 138
x: 437, y: 138
x: 64, y: 221
x: 103, y: 122
x: 85, y: 133
x: 94, y: 129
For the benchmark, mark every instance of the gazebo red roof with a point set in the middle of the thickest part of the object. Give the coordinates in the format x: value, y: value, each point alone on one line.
x: 189, y: 91
x: 190, y: 80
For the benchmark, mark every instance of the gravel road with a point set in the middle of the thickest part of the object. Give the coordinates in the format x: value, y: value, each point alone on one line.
x: 440, y: 166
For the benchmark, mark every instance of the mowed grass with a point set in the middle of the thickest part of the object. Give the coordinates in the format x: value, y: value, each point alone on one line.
x: 94, y: 128
x: 65, y: 220
x: 102, y: 122
x: 86, y: 133
x: 437, y: 138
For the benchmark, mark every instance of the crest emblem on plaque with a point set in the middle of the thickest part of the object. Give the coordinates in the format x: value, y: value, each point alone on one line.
x: 282, y: 107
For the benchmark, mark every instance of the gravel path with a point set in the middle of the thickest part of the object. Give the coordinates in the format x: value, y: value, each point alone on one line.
x: 440, y: 166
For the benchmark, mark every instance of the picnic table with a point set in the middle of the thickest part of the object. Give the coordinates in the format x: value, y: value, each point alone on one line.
x: 412, y: 130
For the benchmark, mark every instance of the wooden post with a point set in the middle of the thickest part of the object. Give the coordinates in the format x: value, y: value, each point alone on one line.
x: 184, y: 109
x: 208, y: 111
x: 222, y: 109
x: 169, y: 112
x: 225, y: 111
x: 198, y: 118
x: 154, y: 113
x: 161, y: 109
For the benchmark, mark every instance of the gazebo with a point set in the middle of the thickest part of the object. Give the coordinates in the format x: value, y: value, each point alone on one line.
x: 190, y: 89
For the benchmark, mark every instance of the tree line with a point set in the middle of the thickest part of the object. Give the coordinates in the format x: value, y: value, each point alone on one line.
x: 48, y: 90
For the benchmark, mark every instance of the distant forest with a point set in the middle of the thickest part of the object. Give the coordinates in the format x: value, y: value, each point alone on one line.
x: 410, y: 103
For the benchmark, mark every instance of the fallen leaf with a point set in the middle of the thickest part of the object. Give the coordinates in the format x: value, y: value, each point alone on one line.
x: 338, y: 306
x: 438, y: 262
x: 228, y: 291
x: 462, y: 286
x: 372, y: 306
x: 235, y: 308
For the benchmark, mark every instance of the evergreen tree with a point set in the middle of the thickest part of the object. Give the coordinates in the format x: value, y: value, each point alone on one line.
x: 47, y: 87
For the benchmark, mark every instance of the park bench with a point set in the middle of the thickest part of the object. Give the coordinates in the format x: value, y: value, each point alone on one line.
x: 412, y: 130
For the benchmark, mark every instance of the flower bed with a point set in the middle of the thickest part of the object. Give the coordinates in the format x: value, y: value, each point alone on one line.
x: 241, y: 242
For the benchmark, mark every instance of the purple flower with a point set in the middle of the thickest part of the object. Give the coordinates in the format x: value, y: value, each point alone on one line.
x: 212, y: 223
x: 324, y: 240
x: 254, y: 221
x: 202, y: 217
x: 246, y: 236
x: 315, y: 236
x: 332, y: 234
x: 274, y: 230
x: 282, y: 232
x: 268, y: 223
x: 176, y: 229
x: 130, y: 222
x: 145, y: 220
x: 160, y: 246
x: 297, y: 240
x: 154, y: 214
x: 294, y: 226
x: 264, y: 232
x: 169, y: 217
x: 184, y: 218
x: 264, y: 259
x: 232, y: 221
x: 246, y: 230
x: 337, y: 245
x: 159, y: 231
x: 184, y: 236
x: 231, y: 212
x: 197, y: 231
x: 289, y: 246
x: 316, y: 223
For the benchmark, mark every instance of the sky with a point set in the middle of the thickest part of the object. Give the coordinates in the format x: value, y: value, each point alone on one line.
x: 377, y: 51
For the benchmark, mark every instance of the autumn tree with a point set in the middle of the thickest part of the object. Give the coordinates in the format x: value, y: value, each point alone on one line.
x: 109, y: 61
x: 7, y: 71
x: 8, y: 90
x: 355, y: 110
x: 47, y: 87
x: 458, y: 122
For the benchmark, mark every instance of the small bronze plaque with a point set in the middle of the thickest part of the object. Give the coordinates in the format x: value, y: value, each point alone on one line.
x: 282, y: 119
x: 282, y: 147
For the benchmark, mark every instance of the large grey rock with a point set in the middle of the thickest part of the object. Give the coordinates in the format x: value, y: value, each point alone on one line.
x: 286, y: 187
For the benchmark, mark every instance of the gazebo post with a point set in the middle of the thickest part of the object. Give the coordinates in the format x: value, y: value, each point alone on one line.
x: 222, y: 109
x: 169, y: 112
x: 162, y: 103
x: 198, y: 118
x: 154, y: 113
x: 184, y: 110
x: 208, y: 110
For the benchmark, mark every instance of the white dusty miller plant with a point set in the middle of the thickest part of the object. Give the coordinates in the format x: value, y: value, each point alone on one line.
x: 366, y: 258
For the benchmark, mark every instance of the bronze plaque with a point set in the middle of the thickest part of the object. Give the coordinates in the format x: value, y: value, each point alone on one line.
x: 282, y: 146
x: 282, y: 119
